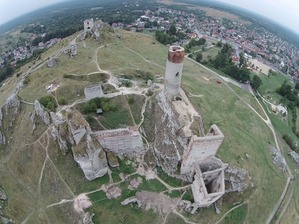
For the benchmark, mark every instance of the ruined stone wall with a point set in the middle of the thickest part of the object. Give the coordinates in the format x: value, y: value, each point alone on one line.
x: 88, y: 24
x: 201, y: 148
x: 203, y: 196
x: 124, y: 141
x: 93, y: 91
x: 174, y: 68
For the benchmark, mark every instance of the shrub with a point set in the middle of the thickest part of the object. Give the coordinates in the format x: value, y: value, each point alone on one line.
x: 290, y: 142
x: 62, y: 101
x: 130, y: 99
x: 27, y: 80
x: 48, y: 102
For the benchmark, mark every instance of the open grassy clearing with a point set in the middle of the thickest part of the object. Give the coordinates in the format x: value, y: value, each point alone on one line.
x: 271, y: 83
x: 144, y: 45
x: 119, y: 118
x: 249, y: 98
x: 110, y: 211
x: 237, y: 216
x: 116, y: 57
x: 281, y: 126
x: 136, y: 106
x: 210, y: 53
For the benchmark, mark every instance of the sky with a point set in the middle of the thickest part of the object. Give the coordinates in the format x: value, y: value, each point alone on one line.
x: 286, y: 12
x: 10, y: 9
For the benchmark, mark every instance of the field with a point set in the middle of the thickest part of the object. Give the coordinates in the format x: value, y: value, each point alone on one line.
x: 36, y: 175
x: 210, y: 53
x: 271, y: 83
x: 265, y: 68
x: 209, y: 11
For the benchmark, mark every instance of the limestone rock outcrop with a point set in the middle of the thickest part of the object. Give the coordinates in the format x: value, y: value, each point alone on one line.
x: 2, y: 139
x: 87, y: 151
x: 60, y: 132
x: 1, y: 116
x: 87, y: 218
x: 236, y: 180
x: 14, y: 103
x: 40, y: 112
x: 168, y: 145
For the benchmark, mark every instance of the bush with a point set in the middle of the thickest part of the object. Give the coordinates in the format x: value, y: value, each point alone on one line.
x: 48, y: 102
x: 92, y: 105
x: 62, y: 101
x: 290, y: 142
x: 130, y: 99
x: 27, y: 80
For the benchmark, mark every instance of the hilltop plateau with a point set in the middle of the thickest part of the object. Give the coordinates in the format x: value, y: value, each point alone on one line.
x: 52, y: 170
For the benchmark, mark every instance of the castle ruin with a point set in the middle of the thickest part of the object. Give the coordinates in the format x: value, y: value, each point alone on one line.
x: 181, y: 147
x: 88, y: 24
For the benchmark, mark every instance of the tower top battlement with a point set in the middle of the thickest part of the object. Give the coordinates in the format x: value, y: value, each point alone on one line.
x: 176, y: 54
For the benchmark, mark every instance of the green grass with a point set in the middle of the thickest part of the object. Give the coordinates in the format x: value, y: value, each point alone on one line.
x: 212, y: 52
x: 283, y: 127
x: 97, y: 77
x: 151, y: 185
x: 111, y: 211
x: 249, y: 98
x: 125, y: 166
x: 271, y: 83
x: 174, y: 182
x: 119, y: 118
x: 236, y: 216
x: 136, y: 107
x: 174, y: 194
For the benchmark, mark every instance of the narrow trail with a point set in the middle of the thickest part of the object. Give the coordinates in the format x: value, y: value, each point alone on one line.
x: 278, y: 220
x: 130, y: 111
x: 219, y: 221
x: 170, y: 187
x: 183, y: 217
x: 148, y: 61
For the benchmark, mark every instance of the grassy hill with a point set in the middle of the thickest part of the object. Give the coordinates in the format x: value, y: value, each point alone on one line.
x: 37, y: 176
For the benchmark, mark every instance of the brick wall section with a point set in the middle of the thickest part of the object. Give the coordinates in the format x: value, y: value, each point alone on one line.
x: 123, y: 141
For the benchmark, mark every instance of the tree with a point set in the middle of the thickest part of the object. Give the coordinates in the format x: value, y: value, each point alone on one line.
x: 297, y: 85
x: 201, y: 41
x: 219, y: 44
x: 198, y: 57
x: 48, y: 102
x: 227, y: 49
x: 241, y: 59
x: 172, y: 29
x: 256, y: 82
x: 62, y: 101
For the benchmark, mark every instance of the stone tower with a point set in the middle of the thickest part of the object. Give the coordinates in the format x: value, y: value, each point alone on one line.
x: 173, y: 73
x: 88, y: 24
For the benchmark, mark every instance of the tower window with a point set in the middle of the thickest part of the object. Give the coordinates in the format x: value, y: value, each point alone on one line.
x: 177, y: 74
